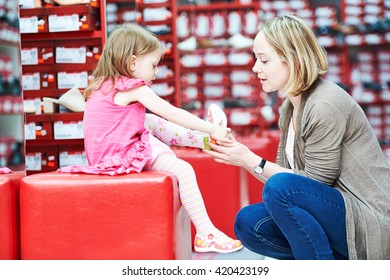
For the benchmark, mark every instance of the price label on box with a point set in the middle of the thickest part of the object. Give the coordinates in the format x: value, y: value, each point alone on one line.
x: 34, y: 161
x: 28, y: 24
x: 29, y: 131
x: 64, y: 23
x: 68, y: 130
x: 70, y: 80
x: 73, y: 158
x: 26, y: 4
x: 29, y: 56
x: 31, y: 81
x: 71, y: 55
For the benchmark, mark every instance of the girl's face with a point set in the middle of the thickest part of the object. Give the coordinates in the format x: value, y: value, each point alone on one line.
x: 270, y: 69
x: 145, y: 66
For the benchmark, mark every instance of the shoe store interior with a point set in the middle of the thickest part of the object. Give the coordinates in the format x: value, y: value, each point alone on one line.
x: 48, y: 51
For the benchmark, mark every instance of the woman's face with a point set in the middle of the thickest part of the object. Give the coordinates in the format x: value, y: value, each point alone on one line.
x: 270, y: 69
x: 145, y: 67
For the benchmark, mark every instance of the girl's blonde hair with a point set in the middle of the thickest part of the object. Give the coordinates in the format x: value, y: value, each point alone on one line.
x: 297, y: 45
x: 124, y: 41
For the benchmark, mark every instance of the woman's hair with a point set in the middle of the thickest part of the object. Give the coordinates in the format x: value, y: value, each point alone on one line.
x: 297, y: 45
x: 124, y: 41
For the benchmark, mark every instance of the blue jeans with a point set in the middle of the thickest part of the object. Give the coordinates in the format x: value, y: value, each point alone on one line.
x: 300, y: 218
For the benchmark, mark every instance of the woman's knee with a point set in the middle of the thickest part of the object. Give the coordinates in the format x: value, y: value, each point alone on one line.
x: 275, y: 186
x: 247, y: 218
x: 242, y: 221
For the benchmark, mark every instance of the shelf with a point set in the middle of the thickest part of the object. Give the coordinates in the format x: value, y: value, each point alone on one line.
x: 53, y: 142
x: 214, y: 7
x: 76, y: 116
x: 64, y: 67
x: 65, y: 36
x: 60, y: 10
x: 219, y: 68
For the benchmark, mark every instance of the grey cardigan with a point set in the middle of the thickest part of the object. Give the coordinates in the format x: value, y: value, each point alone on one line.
x: 335, y: 144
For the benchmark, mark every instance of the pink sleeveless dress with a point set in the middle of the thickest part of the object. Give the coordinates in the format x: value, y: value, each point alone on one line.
x: 115, y: 139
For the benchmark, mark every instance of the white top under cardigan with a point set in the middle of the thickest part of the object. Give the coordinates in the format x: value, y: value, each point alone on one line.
x: 290, y: 144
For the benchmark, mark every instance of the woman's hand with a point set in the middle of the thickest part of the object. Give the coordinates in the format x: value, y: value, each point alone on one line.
x: 219, y: 132
x: 229, y: 151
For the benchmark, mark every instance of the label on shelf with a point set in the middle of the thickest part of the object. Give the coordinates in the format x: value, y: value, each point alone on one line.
x: 28, y: 24
x: 64, y: 23
x: 68, y: 130
x: 72, y: 158
x: 73, y: 79
x: 29, y: 56
x: 31, y: 81
x: 29, y: 131
x: 26, y: 3
x: 34, y: 161
x: 71, y: 55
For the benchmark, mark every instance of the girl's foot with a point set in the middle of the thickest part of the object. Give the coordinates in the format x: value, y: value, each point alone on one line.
x: 217, y: 242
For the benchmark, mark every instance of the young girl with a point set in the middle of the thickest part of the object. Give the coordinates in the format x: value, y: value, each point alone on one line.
x: 119, y: 136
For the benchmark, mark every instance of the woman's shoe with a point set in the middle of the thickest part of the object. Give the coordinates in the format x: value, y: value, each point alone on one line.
x: 72, y: 100
x: 210, y: 244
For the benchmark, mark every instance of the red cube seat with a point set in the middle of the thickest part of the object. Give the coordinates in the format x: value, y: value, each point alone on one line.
x: 9, y: 215
x: 83, y: 216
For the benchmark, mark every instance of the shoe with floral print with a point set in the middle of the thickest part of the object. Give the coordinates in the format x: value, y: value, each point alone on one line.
x: 216, y: 115
x: 210, y: 244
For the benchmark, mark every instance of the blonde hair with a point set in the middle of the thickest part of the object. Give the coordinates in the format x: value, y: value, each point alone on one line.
x: 124, y: 41
x: 297, y: 45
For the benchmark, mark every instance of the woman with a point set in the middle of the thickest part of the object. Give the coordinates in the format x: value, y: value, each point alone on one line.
x: 327, y: 196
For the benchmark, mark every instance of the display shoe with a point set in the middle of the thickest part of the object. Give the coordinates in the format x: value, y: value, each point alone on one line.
x: 210, y: 244
x: 187, y: 45
x: 238, y: 41
x: 5, y: 170
x: 215, y: 115
x: 72, y: 100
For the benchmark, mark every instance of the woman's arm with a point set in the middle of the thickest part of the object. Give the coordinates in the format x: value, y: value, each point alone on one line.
x: 234, y: 153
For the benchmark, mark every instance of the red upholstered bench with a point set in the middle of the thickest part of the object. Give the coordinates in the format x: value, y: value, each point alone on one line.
x: 81, y: 216
x: 9, y: 215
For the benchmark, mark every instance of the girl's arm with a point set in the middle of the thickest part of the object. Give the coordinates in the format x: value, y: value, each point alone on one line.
x: 146, y: 96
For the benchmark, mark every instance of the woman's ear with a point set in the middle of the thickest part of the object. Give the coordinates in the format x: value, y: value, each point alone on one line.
x: 132, y: 62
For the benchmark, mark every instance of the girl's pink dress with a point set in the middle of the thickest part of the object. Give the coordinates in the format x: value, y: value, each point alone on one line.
x: 115, y: 139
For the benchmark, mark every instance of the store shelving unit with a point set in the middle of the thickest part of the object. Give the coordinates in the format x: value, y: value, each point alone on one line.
x: 60, y: 47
